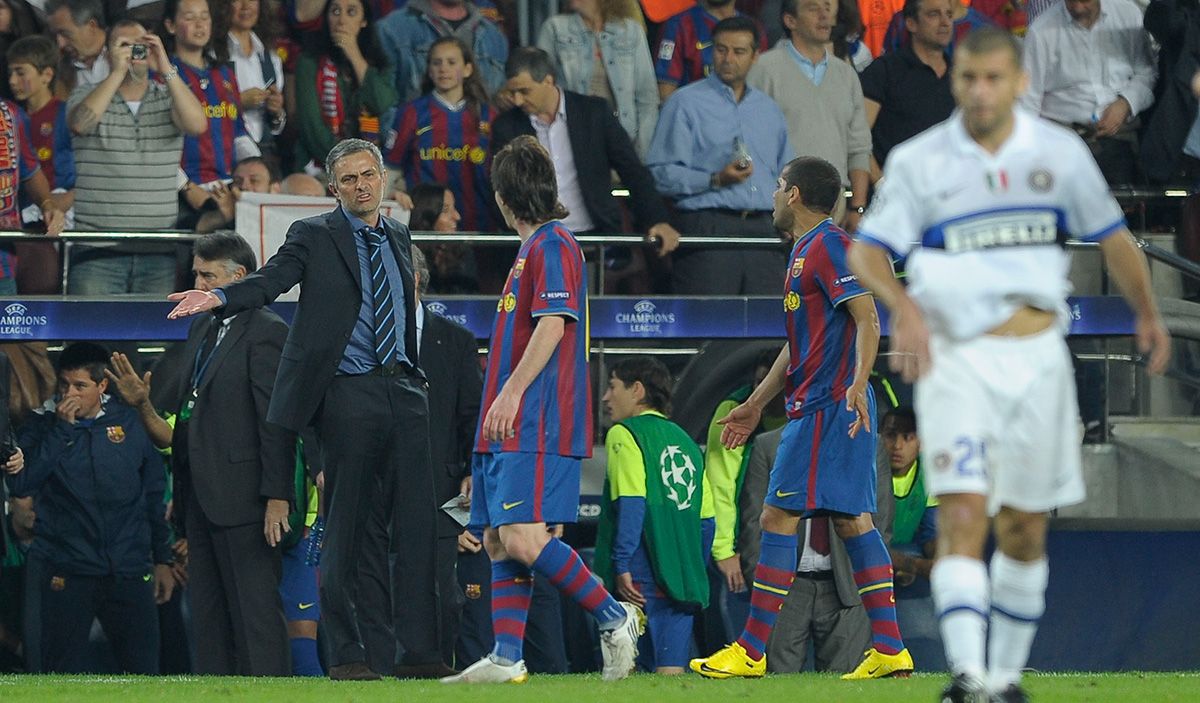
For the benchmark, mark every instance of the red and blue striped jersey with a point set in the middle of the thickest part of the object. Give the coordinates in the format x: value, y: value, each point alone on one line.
x: 210, y: 156
x: 430, y: 143
x: 52, y: 144
x: 555, y: 417
x: 820, y: 332
x: 17, y: 163
x: 685, y: 46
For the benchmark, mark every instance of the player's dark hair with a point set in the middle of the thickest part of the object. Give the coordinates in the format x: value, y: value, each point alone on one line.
x: 740, y: 23
x: 523, y: 175
x: 818, y: 181
x: 912, y: 8
x: 474, y: 91
x: 986, y: 40
x: 226, y: 247
x: 84, y: 355
x: 654, y: 377
x: 531, y: 60
x: 900, y: 419
x: 37, y: 50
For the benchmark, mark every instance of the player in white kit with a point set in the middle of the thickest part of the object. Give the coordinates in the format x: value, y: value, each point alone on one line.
x: 981, y: 205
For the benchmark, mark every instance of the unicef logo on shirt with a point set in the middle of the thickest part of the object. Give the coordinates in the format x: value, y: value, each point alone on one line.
x: 438, y: 308
x: 678, y: 476
x: 646, y: 318
x: 18, y: 322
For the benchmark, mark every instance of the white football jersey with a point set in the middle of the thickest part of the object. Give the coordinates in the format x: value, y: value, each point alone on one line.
x: 984, y: 233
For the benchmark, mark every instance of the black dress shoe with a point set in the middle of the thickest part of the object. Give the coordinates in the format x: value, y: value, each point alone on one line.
x: 432, y: 670
x: 355, y: 671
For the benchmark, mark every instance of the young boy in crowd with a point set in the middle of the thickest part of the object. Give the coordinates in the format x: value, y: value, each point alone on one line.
x: 31, y: 72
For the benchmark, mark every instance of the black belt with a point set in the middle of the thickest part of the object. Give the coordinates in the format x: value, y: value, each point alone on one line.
x: 390, y: 370
x: 740, y: 214
x: 815, y: 575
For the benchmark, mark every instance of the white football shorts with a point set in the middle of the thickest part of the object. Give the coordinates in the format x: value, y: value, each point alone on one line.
x: 997, y: 416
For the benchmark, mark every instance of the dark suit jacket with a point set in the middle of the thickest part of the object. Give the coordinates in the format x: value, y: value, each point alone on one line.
x: 750, y: 501
x: 237, y: 459
x: 600, y: 145
x: 455, y: 390
x: 1175, y: 25
x: 318, y: 254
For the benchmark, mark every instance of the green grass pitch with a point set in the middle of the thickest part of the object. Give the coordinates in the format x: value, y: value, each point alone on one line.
x: 1043, y: 688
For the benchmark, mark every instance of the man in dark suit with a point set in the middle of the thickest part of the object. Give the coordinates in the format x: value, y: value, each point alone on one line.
x: 350, y: 367
x: 233, y: 476
x: 586, y: 143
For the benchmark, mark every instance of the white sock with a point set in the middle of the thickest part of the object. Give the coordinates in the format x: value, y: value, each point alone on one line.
x: 960, y: 594
x: 1018, y: 601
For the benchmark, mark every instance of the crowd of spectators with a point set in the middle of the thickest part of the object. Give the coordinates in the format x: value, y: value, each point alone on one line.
x: 139, y: 113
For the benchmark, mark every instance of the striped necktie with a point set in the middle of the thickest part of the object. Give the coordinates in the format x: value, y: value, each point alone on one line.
x: 381, y: 291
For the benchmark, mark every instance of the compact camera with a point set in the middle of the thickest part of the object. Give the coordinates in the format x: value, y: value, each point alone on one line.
x: 138, y: 52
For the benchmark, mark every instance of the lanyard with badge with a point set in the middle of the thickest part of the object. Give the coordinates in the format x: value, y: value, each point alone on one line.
x: 199, y: 367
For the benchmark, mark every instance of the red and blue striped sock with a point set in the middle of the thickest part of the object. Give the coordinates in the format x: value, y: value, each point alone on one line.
x: 772, y: 580
x: 512, y: 587
x: 873, y: 575
x: 562, y: 565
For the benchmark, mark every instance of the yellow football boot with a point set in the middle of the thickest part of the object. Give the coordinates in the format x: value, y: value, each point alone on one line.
x: 876, y: 665
x: 729, y: 662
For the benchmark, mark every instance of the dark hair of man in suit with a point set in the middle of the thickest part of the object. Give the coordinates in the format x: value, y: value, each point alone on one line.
x: 84, y: 355
x: 653, y: 376
x: 531, y: 60
x: 226, y: 247
x: 523, y: 177
x: 421, y: 270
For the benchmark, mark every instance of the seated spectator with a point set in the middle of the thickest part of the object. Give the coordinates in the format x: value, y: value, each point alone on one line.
x: 845, y: 37
x: 1170, y: 147
x: 443, y: 136
x: 685, y: 44
x: 1091, y: 69
x: 823, y: 608
x: 343, y: 85
x: 302, y: 184
x: 408, y: 33
x: 719, y: 147
x: 656, y: 523
x: 127, y: 164
x: 586, y: 143
x: 251, y: 175
x: 600, y: 49
x: 202, y: 60
x: 252, y: 29
x: 966, y: 20
x: 821, y: 100
x: 914, y: 537
x: 908, y: 90
x: 31, y: 63
x: 100, y: 537
x: 79, y: 28
x: 453, y: 267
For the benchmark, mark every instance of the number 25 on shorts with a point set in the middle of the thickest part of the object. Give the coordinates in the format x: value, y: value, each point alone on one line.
x: 970, y: 457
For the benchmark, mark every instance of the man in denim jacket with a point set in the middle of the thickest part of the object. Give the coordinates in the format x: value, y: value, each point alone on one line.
x: 407, y: 33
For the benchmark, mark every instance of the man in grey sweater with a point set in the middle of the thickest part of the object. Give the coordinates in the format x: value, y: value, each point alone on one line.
x: 821, y: 99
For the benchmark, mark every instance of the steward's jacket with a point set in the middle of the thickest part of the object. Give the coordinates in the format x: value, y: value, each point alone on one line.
x: 98, y: 492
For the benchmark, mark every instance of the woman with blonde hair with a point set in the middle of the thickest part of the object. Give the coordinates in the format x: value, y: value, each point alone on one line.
x: 600, y: 49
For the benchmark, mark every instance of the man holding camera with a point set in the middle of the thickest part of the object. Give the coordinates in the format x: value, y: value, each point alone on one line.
x: 128, y: 136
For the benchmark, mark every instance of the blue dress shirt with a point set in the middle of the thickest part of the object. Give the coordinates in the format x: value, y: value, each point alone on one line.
x: 359, y: 356
x: 814, y: 71
x: 694, y: 139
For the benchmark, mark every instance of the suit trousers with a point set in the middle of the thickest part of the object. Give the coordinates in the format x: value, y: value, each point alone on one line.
x: 374, y: 433
x: 813, y: 612
x: 233, y: 592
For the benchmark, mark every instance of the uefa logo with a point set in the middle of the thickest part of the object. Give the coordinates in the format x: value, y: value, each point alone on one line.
x: 17, y: 321
x: 440, y: 309
x: 645, y: 319
x: 16, y: 309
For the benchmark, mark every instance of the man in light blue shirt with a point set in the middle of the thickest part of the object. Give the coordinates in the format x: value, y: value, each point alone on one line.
x: 717, y: 150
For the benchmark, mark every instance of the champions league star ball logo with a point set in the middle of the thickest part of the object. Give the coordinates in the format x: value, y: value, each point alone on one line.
x: 439, y: 308
x: 645, y: 319
x: 678, y: 476
x: 18, y: 322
